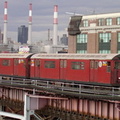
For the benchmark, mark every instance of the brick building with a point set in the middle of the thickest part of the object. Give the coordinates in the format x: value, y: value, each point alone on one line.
x: 98, y: 33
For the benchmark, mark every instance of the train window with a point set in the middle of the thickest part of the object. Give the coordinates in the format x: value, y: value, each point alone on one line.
x: 117, y: 65
x: 49, y: 64
x: 16, y: 62
x: 6, y: 62
x: 92, y: 64
x: 63, y: 64
x: 96, y: 64
x: 77, y: 65
x: 37, y: 63
x: 108, y: 63
x: 108, y: 66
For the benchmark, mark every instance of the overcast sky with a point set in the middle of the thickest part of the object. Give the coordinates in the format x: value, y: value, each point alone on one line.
x: 18, y: 11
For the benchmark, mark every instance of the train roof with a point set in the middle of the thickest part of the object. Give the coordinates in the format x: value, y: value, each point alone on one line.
x: 75, y: 56
x: 60, y: 56
x: 14, y: 55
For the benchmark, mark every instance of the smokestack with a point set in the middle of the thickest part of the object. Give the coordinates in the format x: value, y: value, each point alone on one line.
x: 5, y: 24
x: 55, y: 25
x: 30, y: 25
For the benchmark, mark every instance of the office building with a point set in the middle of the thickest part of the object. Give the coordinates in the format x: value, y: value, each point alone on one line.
x: 64, y: 39
x: 98, y: 33
x: 22, y: 34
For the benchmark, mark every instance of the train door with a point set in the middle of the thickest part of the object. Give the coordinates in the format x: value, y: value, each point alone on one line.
x: 16, y: 67
x: 37, y: 68
x: 93, y: 70
x: 20, y: 67
x: 63, y: 65
x: 116, y: 72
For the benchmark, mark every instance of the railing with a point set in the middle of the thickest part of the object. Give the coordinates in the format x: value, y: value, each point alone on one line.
x: 64, y: 88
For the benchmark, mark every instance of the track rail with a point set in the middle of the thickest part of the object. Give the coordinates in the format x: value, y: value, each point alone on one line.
x: 64, y: 89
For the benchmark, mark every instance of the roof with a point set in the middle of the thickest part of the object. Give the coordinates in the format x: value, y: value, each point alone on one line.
x: 101, y: 15
x: 60, y: 56
x: 75, y: 56
x: 14, y: 55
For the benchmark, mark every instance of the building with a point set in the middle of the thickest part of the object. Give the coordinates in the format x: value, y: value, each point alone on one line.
x: 64, y: 39
x: 98, y: 33
x: 22, y: 34
x: 1, y: 37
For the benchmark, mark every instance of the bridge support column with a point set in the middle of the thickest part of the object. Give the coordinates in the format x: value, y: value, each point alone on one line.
x: 27, y: 108
x: 1, y: 118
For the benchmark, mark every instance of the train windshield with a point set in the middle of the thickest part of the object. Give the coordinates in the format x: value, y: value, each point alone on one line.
x: 117, y: 65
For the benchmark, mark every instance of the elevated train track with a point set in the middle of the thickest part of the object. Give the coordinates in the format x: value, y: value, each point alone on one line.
x: 88, y: 102
x: 64, y: 88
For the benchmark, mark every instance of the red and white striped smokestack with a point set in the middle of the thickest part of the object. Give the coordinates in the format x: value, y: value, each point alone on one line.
x: 55, y: 25
x: 55, y: 14
x: 5, y: 23
x: 30, y: 25
x: 30, y: 13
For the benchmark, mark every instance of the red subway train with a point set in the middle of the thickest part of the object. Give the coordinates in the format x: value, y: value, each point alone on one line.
x: 99, y: 69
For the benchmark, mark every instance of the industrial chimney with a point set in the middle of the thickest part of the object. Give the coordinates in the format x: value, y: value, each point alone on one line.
x: 5, y: 24
x: 55, y: 25
x: 30, y: 25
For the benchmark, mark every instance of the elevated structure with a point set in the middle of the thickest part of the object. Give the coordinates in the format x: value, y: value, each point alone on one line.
x: 77, y: 104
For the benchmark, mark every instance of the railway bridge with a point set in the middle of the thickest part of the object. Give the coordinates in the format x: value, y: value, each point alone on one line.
x: 26, y: 99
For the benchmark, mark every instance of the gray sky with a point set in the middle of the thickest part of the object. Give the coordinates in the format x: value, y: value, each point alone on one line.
x: 18, y: 11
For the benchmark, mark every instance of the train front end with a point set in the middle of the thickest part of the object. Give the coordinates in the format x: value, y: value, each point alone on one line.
x: 115, y: 70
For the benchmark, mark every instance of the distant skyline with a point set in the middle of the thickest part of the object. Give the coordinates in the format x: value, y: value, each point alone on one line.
x: 18, y: 12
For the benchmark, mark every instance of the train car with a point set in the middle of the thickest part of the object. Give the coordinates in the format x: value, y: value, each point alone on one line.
x: 77, y: 68
x: 98, y: 69
x: 45, y: 66
x: 14, y: 64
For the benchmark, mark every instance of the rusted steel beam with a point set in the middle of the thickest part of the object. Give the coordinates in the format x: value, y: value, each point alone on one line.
x: 12, y: 103
x: 66, y: 115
